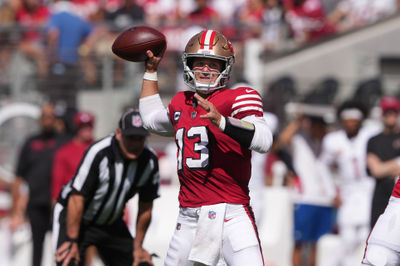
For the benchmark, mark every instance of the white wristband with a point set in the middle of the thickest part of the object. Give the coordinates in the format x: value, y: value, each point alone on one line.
x: 222, y: 123
x: 150, y: 76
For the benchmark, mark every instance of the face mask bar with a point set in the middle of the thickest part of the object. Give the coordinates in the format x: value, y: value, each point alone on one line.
x: 189, y: 74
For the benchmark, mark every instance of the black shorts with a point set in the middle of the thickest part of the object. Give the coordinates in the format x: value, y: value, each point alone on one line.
x: 114, y: 242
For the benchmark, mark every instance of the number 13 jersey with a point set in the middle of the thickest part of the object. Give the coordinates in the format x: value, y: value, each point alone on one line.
x: 212, y: 167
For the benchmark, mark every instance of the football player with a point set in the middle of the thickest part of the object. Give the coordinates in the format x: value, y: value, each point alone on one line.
x: 215, y: 129
x: 346, y: 150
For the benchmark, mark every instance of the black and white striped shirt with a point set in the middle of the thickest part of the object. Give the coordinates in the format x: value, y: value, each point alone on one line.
x: 108, y: 181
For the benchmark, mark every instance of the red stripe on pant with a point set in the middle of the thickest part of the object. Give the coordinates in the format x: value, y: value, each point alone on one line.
x: 250, y: 213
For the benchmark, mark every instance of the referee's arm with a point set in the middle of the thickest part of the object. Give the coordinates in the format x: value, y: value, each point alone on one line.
x: 143, y: 222
x: 74, y: 214
x: 69, y: 250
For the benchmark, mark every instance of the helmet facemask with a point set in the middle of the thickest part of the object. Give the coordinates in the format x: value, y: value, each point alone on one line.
x: 219, y: 50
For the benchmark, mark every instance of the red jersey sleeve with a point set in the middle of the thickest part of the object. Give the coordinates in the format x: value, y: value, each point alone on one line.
x: 246, y: 101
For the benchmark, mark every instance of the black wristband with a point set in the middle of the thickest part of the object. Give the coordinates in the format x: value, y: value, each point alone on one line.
x: 72, y: 240
x: 239, y: 130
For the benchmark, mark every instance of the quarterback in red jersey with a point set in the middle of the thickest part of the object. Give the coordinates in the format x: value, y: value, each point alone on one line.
x: 215, y: 129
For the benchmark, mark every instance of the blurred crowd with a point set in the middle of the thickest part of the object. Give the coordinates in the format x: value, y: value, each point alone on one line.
x: 66, y: 59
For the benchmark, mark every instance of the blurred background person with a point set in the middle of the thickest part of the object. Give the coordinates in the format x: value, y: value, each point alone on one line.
x: 312, y: 193
x: 350, y: 14
x: 33, y: 16
x: 345, y: 151
x: 258, y: 179
x: 127, y: 15
x: 307, y: 20
x: 271, y: 34
x: 66, y: 32
x: 67, y: 157
x: 383, y: 153
x: 34, y: 170
x: 203, y: 14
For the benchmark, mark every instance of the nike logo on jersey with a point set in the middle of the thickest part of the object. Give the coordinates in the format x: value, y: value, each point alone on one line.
x: 227, y: 220
x: 249, y: 90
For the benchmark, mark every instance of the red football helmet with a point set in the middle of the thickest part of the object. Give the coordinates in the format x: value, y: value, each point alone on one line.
x: 209, y: 44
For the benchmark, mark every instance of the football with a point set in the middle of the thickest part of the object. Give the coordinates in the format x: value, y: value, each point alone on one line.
x: 133, y: 43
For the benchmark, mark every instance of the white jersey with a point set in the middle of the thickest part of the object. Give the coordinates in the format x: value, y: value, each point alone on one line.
x: 355, y: 186
x: 313, y: 188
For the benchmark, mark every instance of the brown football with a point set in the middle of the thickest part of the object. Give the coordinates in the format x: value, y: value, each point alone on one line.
x: 133, y: 43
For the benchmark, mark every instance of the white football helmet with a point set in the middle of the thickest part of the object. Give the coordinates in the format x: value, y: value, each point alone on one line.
x: 209, y: 44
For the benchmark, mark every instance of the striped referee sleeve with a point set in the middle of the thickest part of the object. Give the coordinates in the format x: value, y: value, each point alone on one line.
x: 87, y: 173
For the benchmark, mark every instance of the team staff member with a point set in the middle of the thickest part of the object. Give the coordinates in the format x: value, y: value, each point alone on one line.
x: 215, y: 130
x: 34, y: 170
x: 382, y: 153
x: 67, y: 158
x: 90, y: 208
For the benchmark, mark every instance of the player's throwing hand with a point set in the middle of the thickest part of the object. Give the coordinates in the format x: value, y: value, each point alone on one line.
x: 152, y: 61
x: 213, y: 114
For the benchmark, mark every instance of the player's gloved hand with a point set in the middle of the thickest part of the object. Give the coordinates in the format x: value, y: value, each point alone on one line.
x: 213, y: 114
x: 152, y: 62
x: 141, y: 256
x: 68, y: 253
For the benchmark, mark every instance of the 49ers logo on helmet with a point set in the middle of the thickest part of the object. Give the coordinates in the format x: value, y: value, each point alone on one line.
x: 230, y: 47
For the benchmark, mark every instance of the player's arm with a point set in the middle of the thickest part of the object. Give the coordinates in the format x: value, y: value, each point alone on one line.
x: 142, y: 224
x: 381, y: 169
x: 251, y: 132
x: 20, y: 197
x: 150, y: 80
x: 154, y: 114
x: 69, y: 249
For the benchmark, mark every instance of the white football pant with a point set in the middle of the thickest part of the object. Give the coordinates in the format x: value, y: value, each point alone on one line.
x: 383, y: 244
x: 240, y: 243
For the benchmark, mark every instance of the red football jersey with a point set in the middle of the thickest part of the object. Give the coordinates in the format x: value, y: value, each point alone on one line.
x: 212, y: 167
x: 66, y: 162
x: 396, y: 189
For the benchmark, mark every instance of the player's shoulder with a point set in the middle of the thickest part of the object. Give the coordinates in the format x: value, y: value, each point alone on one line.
x: 245, y: 101
x: 182, y: 97
x: 101, y: 145
x: 245, y: 90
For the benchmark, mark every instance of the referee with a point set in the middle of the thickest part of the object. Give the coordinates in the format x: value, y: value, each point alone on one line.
x: 90, y: 207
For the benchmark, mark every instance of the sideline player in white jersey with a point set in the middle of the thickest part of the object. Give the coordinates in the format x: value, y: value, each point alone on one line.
x: 312, y: 193
x: 215, y: 129
x: 346, y: 150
